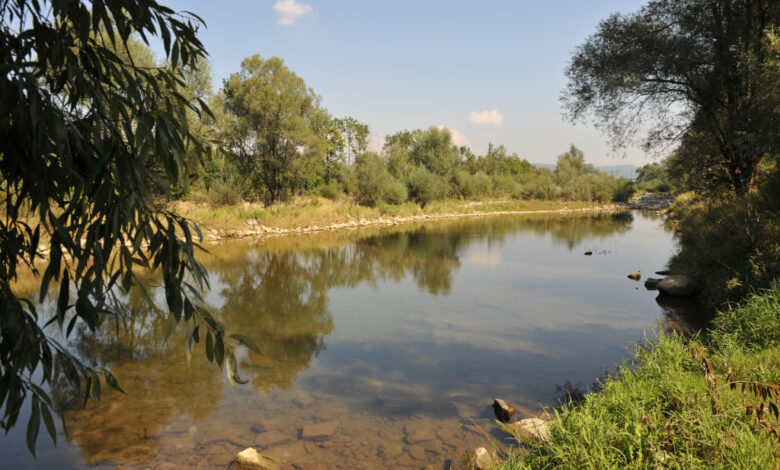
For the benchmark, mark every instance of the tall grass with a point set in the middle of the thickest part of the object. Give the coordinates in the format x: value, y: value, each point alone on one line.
x: 684, y: 405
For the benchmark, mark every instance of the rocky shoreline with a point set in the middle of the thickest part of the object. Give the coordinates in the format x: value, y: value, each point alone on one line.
x: 650, y: 202
x: 256, y: 230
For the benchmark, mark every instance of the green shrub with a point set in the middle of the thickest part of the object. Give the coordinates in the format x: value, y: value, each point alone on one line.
x: 395, y: 192
x: 332, y: 190
x: 424, y: 186
x: 625, y: 189
x: 227, y: 191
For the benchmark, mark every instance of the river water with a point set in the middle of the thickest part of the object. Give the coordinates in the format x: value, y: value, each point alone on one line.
x: 394, y: 341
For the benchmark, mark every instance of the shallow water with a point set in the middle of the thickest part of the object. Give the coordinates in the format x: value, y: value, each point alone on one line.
x: 397, y: 338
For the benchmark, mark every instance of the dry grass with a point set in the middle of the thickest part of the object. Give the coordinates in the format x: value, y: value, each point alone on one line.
x: 309, y: 211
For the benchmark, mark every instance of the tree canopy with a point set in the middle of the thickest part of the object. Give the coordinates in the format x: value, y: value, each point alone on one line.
x: 696, y: 72
x: 88, y: 136
x: 277, y: 125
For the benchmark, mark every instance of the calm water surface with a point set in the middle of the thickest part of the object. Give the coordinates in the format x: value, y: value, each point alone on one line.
x: 398, y: 337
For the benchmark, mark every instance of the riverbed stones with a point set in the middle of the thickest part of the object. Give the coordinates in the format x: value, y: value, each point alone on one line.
x: 416, y: 452
x: 267, y: 425
x: 482, y: 459
x: 271, y: 438
x: 303, y: 399
x: 504, y: 411
x: 251, y: 459
x: 389, y: 451
x: 417, y: 434
x: 319, y: 431
x: 530, y: 429
x: 677, y: 286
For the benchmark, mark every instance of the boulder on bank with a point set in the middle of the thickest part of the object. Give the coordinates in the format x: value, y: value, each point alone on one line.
x: 651, y: 283
x: 251, y: 459
x: 529, y: 429
x: 504, y: 411
x: 677, y: 286
x: 483, y: 459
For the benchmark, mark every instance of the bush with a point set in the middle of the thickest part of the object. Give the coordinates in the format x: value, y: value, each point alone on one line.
x: 728, y: 245
x: 504, y: 185
x: 227, y: 191
x: 424, y: 186
x: 332, y: 190
x: 625, y: 189
x: 395, y: 192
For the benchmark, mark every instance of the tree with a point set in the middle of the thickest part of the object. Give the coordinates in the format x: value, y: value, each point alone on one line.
x: 278, y: 125
x: 81, y: 129
x: 677, y: 68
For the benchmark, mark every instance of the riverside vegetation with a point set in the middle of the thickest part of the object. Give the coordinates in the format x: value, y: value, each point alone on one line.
x: 100, y: 140
x: 711, y: 400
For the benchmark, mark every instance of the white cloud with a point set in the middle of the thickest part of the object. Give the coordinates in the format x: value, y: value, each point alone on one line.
x: 458, y: 139
x: 291, y: 11
x: 486, y: 118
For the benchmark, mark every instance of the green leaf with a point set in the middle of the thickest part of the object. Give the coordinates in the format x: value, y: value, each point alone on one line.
x: 33, y: 425
x: 49, y: 422
x: 246, y: 341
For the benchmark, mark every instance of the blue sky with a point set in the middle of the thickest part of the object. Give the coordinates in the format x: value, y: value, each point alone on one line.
x: 490, y: 70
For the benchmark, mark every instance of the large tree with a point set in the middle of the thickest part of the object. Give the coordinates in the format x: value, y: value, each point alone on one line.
x: 691, y: 71
x: 84, y: 134
x: 277, y: 129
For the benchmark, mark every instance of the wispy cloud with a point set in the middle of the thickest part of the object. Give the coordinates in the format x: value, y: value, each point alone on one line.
x: 487, y: 117
x: 458, y: 139
x: 291, y: 11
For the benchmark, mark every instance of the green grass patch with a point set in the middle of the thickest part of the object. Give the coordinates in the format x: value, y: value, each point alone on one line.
x: 685, y: 403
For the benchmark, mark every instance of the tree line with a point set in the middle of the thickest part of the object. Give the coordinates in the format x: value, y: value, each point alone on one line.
x: 274, y: 140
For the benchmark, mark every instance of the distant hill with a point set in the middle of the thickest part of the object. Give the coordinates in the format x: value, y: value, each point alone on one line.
x: 625, y: 171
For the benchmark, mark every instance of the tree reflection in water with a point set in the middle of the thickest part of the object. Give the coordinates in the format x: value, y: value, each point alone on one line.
x: 277, y: 294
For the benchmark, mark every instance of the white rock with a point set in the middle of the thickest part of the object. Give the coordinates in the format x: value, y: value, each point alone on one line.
x: 678, y: 286
x: 249, y: 458
x: 483, y: 460
x: 529, y: 429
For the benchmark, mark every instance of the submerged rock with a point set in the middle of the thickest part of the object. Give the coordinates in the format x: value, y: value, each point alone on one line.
x: 251, y: 459
x: 677, y: 286
x: 504, y: 411
x: 529, y: 429
x: 319, y: 431
x: 272, y: 438
x: 418, y: 434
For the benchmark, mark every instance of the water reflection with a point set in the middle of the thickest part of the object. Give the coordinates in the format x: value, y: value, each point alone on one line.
x: 426, y: 358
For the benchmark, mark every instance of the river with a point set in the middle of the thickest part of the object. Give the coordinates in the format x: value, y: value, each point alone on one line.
x: 390, y: 342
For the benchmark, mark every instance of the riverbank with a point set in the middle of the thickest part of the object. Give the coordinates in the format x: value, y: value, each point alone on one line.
x: 310, y: 215
x: 706, y: 402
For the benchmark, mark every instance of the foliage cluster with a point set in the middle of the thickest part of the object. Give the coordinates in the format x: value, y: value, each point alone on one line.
x: 278, y: 141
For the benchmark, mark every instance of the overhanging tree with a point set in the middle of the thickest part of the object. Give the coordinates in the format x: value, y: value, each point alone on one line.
x: 685, y: 67
x: 81, y: 129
